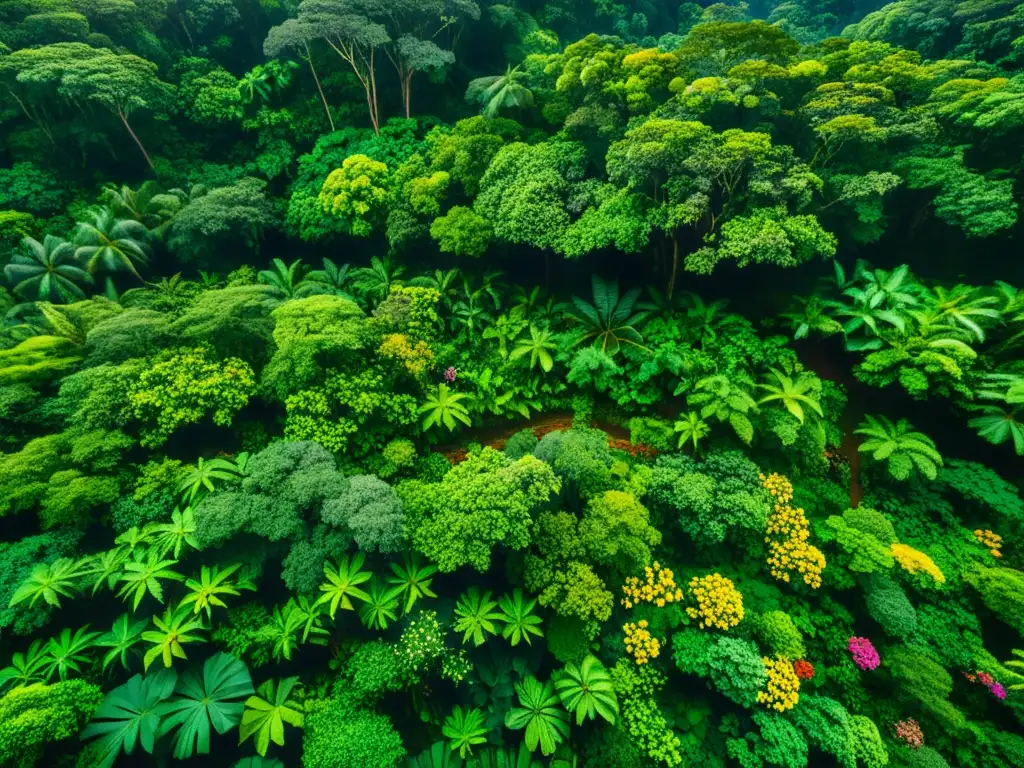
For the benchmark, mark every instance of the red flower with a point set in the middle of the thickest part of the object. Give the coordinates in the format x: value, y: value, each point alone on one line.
x: 804, y: 669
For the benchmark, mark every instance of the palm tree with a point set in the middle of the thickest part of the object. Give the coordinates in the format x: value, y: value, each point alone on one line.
x: 498, y: 92
x: 609, y: 322
x: 47, y: 271
x: 331, y: 277
x: 285, y: 279
x: 111, y: 245
x: 374, y: 282
x: 149, y: 204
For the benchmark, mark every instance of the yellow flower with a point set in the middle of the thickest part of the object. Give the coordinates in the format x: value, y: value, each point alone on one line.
x: 782, y: 691
x: 913, y: 561
x: 719, y: 603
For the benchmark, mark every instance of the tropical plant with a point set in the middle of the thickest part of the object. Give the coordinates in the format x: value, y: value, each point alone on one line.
x: 412, y: 580
x: 610, y: 321
x: 130, y: 715
x: 380, y: 606
x: 998, y: 425
x: 811, y: 314
x: 177, y: 627
x: 106, y: 567
x: 213, y: 584
x: 143, y: 574
x: 444, y: 407
x: 343, y: 583
x: 475, y: 615
x: 168, y: 538
x: 518, y: 617
x: 26, y: 668
x: 47, y: 271
x: 464, y: 730
x: 267, y: 711
x: 541, y: 714
x: 497, y: 92
x: 109, y: 245
x: 587, y: 690
x: 1015, y: 664
x: 201, y: 477
x: 539, y: 347
x: 375, y: 281
x: 204, y: 699
x: 149, y: 205
x: 899, y: 446
x: 796, y: 393
x: 505, y: 328
x: 727, y: 399
x: 67, y: 652
x: 963, y: 306
x: 50, y: 581
x: 121, y: 639
x: 284, y: 279
x: 331, y: 277
x: 307, y: 614
x: 692, y: 429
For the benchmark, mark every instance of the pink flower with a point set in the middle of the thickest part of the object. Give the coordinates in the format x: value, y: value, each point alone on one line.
x: 864, y: 654
x: 998, y: 691
x: 450, y: 374
x: 985, y: 678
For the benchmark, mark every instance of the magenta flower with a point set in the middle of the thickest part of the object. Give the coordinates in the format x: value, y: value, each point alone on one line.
x: 450, y: 374
x: 864, y: 654
x: 998, y: 691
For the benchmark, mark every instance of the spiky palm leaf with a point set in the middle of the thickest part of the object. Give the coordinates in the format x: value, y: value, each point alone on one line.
x: 47, y: 271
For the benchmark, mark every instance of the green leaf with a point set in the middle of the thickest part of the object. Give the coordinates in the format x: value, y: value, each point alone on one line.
x: 210, y: 698
x: 541, y: 714
x: 267, y: 712
x: 130, y: 715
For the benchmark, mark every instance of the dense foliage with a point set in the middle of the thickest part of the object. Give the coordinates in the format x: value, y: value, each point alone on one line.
x: 371, y: 392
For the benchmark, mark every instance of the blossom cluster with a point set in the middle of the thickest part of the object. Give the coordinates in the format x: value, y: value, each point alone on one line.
x: 997, y: 689
x: 909, y: 732
x: 659, y: 587
x: 719, y: 603
x: 993, y: 542
x: 787, y: 536
x: 640, y: 644
x: 914, y: 561
x: 803, y: 669
x: 783, y: 689
x: 864, y: 654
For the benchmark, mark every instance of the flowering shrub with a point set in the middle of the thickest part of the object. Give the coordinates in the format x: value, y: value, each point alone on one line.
x: 909, y: 732
x: 640, y: 644
x: 864, y: 654
x: 783, y: 690
x: 450, y: 375
x: 993, y: 542
x: 787, y: 533
x: 803, y: 669
x: 719, y: 603
x: 913, y: 561
x: 659, y: 588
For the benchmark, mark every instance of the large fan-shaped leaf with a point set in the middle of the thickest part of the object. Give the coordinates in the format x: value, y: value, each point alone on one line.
x: 129, y: 715
x: 211, y: 697
x: 268, y: 711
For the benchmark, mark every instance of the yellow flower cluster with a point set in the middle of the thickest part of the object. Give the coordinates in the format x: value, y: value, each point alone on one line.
x: 787, y: 534
x: 991, y: 541
x: 659, y: 587
x: 778, y: 486
x: 913, y: 561
x: 639, y: 642
x: 415, y: 357
x: 783, y: 691
x: 719, y: 603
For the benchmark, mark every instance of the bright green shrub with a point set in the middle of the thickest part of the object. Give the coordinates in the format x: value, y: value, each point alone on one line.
x: 38, y: 715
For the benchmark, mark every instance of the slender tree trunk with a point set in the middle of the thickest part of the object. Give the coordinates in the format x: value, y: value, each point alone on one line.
x: 327, y: 109
x: 40, y: 124
x: 407, y: 93
x: 124, y: 119
x: 375, y: 113
x: 675, y: 264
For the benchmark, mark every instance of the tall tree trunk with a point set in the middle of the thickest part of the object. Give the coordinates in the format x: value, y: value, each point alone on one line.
x: 145, y: 154
x: 675, y: 264
x: 407, y: 93
x: 375, y: 114
x: 323, y: 98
